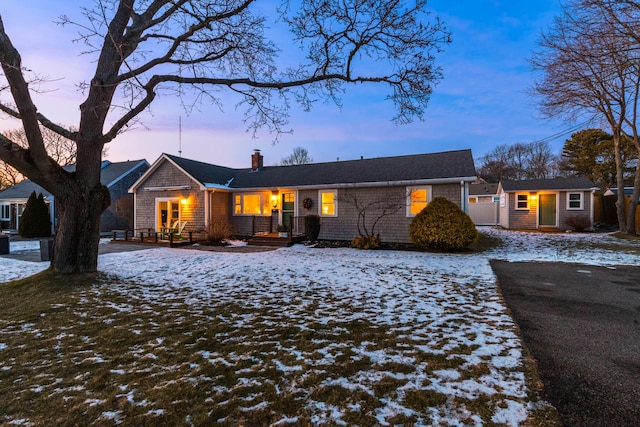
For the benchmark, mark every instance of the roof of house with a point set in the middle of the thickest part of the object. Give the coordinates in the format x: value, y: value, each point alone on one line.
x: 419, y: 167
x: 483, y: 189
x: 110, y: 173
x: 569, y: 183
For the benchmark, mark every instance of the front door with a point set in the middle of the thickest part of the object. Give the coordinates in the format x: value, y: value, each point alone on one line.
x: 547, y: 210
x: 168, y: 212
x: 288, y: 208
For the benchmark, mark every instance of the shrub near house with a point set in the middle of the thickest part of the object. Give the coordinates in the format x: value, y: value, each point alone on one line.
x: 35, y: 220
x: 443, y: 225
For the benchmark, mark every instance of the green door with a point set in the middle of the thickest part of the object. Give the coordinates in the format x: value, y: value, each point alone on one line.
x: 547, y: 210
x: 288, y: 208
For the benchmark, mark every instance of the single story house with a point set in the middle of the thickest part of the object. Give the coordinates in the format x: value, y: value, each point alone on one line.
x: 483, y: 203
x: 545, y: 203
x: 116, y: 176
x: 257, y: 199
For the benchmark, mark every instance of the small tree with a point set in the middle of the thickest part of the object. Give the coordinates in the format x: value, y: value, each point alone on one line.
x: 370, y: 210
x: 35, y: 221
x: 312, y: 227
x: 442, y: 225
x: 300, y: 156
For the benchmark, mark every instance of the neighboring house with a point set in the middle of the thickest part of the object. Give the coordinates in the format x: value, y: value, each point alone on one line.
x: 483, y: 204
x: 117, y: 176
x: 257, y: 199
x: 545, y: 203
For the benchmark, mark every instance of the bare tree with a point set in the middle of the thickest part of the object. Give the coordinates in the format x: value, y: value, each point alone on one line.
x: 371, y: 210
x: 144, y: 48
x: 590, y: 64
x: 60, y: 149
x: 299, y: 156
x: 521, y: 160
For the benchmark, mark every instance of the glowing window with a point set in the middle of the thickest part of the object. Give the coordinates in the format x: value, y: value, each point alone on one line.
x: 247, y: 204
x: 328, y: 203
x: 252, y: 204
x: 417, y: 200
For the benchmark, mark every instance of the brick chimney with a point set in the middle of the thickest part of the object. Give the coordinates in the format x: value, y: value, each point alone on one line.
x: 256, y: 160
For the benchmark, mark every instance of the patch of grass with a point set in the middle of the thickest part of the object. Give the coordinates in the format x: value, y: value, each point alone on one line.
x: 485, y: 242
x: 40, y: 292
x: 420, y: 399
x: 624, y: 236
x: 482, y: 405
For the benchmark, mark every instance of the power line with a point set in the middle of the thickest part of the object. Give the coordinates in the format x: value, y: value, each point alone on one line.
x: 562, y: 133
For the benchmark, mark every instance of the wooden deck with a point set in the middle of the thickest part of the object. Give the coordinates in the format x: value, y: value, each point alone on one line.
x: 148, y: 236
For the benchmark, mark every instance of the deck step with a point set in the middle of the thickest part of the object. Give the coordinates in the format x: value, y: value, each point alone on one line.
x: 275, y: 241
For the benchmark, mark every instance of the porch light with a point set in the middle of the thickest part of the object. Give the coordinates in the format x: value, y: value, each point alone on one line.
x: 274, y: 201
x: 533, y: 195
x: 184, y: 201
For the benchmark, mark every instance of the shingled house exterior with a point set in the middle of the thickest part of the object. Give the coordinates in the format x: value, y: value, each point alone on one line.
x: 545, y: 203
x: 257, y: 199
x: 116, y: 176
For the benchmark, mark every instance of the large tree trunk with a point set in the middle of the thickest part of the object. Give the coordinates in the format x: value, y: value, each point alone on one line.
x: 78, y: 233
x: 79, y: 208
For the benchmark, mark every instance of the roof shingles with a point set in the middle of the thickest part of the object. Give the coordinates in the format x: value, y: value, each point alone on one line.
x: 434, y: 166
x: 569, y: 183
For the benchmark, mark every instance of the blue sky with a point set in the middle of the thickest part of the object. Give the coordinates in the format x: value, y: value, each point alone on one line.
x: 480, y: 103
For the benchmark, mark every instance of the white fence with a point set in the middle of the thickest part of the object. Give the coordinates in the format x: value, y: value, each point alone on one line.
x: 485, y: 213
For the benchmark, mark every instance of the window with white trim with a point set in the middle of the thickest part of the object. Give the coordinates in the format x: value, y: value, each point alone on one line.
x: 328, y: 205
x: 522, y: 201
x: 417, y: 199
x: 5, y: 212
x: 248, y: 204
x: 575, y: 201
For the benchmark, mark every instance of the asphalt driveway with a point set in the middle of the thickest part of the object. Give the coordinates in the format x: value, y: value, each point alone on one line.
x: 582, y: 325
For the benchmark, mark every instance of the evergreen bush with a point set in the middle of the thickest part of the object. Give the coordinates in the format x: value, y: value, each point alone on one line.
x: 442, y: 225
x: 35, y: 221
x: 312, y: 227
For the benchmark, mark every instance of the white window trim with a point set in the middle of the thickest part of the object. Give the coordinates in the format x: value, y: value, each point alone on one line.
x: 516, y: 202
x: 263, y: 211
x: 581, y: 194
x: 410, y: 190
x: 3, y: 207
x: 335, y: 203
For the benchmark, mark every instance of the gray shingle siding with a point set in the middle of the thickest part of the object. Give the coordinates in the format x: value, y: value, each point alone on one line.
x: 146, y: 200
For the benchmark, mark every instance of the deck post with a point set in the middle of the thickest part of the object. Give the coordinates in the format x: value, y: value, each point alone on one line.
x: 291, y: 229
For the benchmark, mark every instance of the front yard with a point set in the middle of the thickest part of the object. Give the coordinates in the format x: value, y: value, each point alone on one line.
x: 296, y: 336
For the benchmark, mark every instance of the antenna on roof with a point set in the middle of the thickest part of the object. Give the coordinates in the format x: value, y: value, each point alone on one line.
x: 179, y: 136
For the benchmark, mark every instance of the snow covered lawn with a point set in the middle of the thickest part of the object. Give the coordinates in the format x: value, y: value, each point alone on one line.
x: 295, y: 336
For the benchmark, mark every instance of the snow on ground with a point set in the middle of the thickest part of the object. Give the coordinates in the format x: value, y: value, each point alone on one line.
x: 442, y: 303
